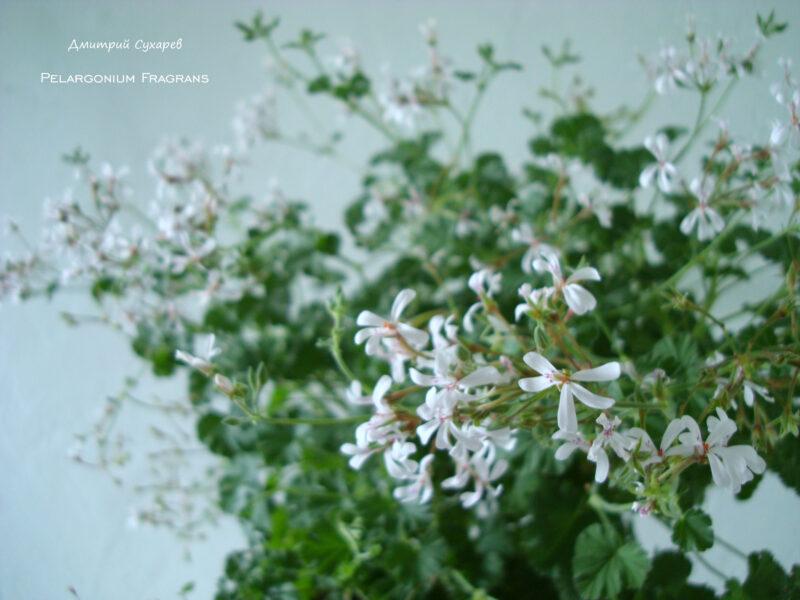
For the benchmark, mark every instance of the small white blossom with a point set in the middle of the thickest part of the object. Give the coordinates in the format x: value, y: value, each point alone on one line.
x: 354, y: 395
x: 421, y: 487
x: 707, y: 220
x: 381, y: 427
x: 377, y: 328
x: 662, y: 168
x: 533, y: 298
x: 401, y: 105
x: 669, y: 71
x: 223, y: 384
x: 397, y: 461
x: 788, y: 129
x: 578, y: 298
x: 536, y: 248
x: 358, y: 454
x: 207, y: 351
x: 566, y: 383
x: 645, y: 444
x: 731, y: 466
x: 750, y: 389
x: 484, y: 283
x: 446, y: 391
x: 609, y: 437
x: 484, y: 469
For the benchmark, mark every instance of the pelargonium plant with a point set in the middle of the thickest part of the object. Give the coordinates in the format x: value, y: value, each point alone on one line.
x: 514, y: 366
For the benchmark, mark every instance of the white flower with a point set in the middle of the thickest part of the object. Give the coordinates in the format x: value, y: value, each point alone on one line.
x: 573, y: 440
x: 644, y: 508
x: 202, y: 363
x: 358, y: 454
x: 396, y: 354
x: 550, y: 376
x: 437, y: 415
x: 397, y: 461
x: 789, y: 129
x: 347, y: 62
x: 596, y: 206
x: 645, y: 444
x: 377, y: 328
x: 708, y: 221
x: 428, y: 30
x: 470, y: 438
x: 380, y: 427
x: 223, y: 384
x: 750, y: 389
x: 445, y: 392
x: 536, y: 248
x: 669, y: 72
x: 666, y: 171
x: 443, y: 332
x: 608, y: 438
x: 484, y: 470
x: 401, y: 105
x: 421, y: 487
x: 731, y: 466
x: 193, y: 255
x: 484, y: 282
x: 255, y: 119
x: 532, y: 297
x: 456, y: 386
x: 760, y: 208
x: 578, y: 298
x: 354, y: 395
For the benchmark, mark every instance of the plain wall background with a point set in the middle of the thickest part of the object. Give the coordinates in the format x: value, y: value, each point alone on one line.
x: 61, y: 524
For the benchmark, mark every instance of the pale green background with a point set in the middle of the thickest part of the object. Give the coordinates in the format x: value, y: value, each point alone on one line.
x: 62, y: 525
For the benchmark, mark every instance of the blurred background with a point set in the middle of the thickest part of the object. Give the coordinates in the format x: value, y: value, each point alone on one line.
x: 62, y: 524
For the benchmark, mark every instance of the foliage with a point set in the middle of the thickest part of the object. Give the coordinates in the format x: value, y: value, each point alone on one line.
x: 500, y: 250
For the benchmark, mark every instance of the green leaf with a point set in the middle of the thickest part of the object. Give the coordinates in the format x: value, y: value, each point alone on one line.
x: 667, y: 580
x: 769, y: 26
x: 257, y: 28
x: 306, y: 41
x: 186, y: 588
x: 327, y: 243
x: 693, y: 531
x: 77, y: 157
x: 565, y: 56
x: 766, y: 580
x: 785, y: 461
x: 603, y: 565
x: 320, y: 84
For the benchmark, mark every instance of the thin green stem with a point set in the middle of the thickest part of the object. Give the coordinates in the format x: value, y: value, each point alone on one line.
x: 313, y: 421
x: 714, y: 570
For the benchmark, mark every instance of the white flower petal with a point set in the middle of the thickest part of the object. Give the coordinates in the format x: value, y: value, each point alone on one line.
x: 416, y: 337
x: 578, y: 298
x: 426, y: 430
x: 403, y: 299
x: 607, y: 372
x: 584, y: 274
x: 589, y: 398
x: 567, y: 419
x: 367, y: 318
x: 481, y: 377
x: 535, y: 384
x: 539, y: 363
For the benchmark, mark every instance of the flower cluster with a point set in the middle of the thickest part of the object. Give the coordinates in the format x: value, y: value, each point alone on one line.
x: 461, y: 389
x: 735, y: 176
x: 559, y: 311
